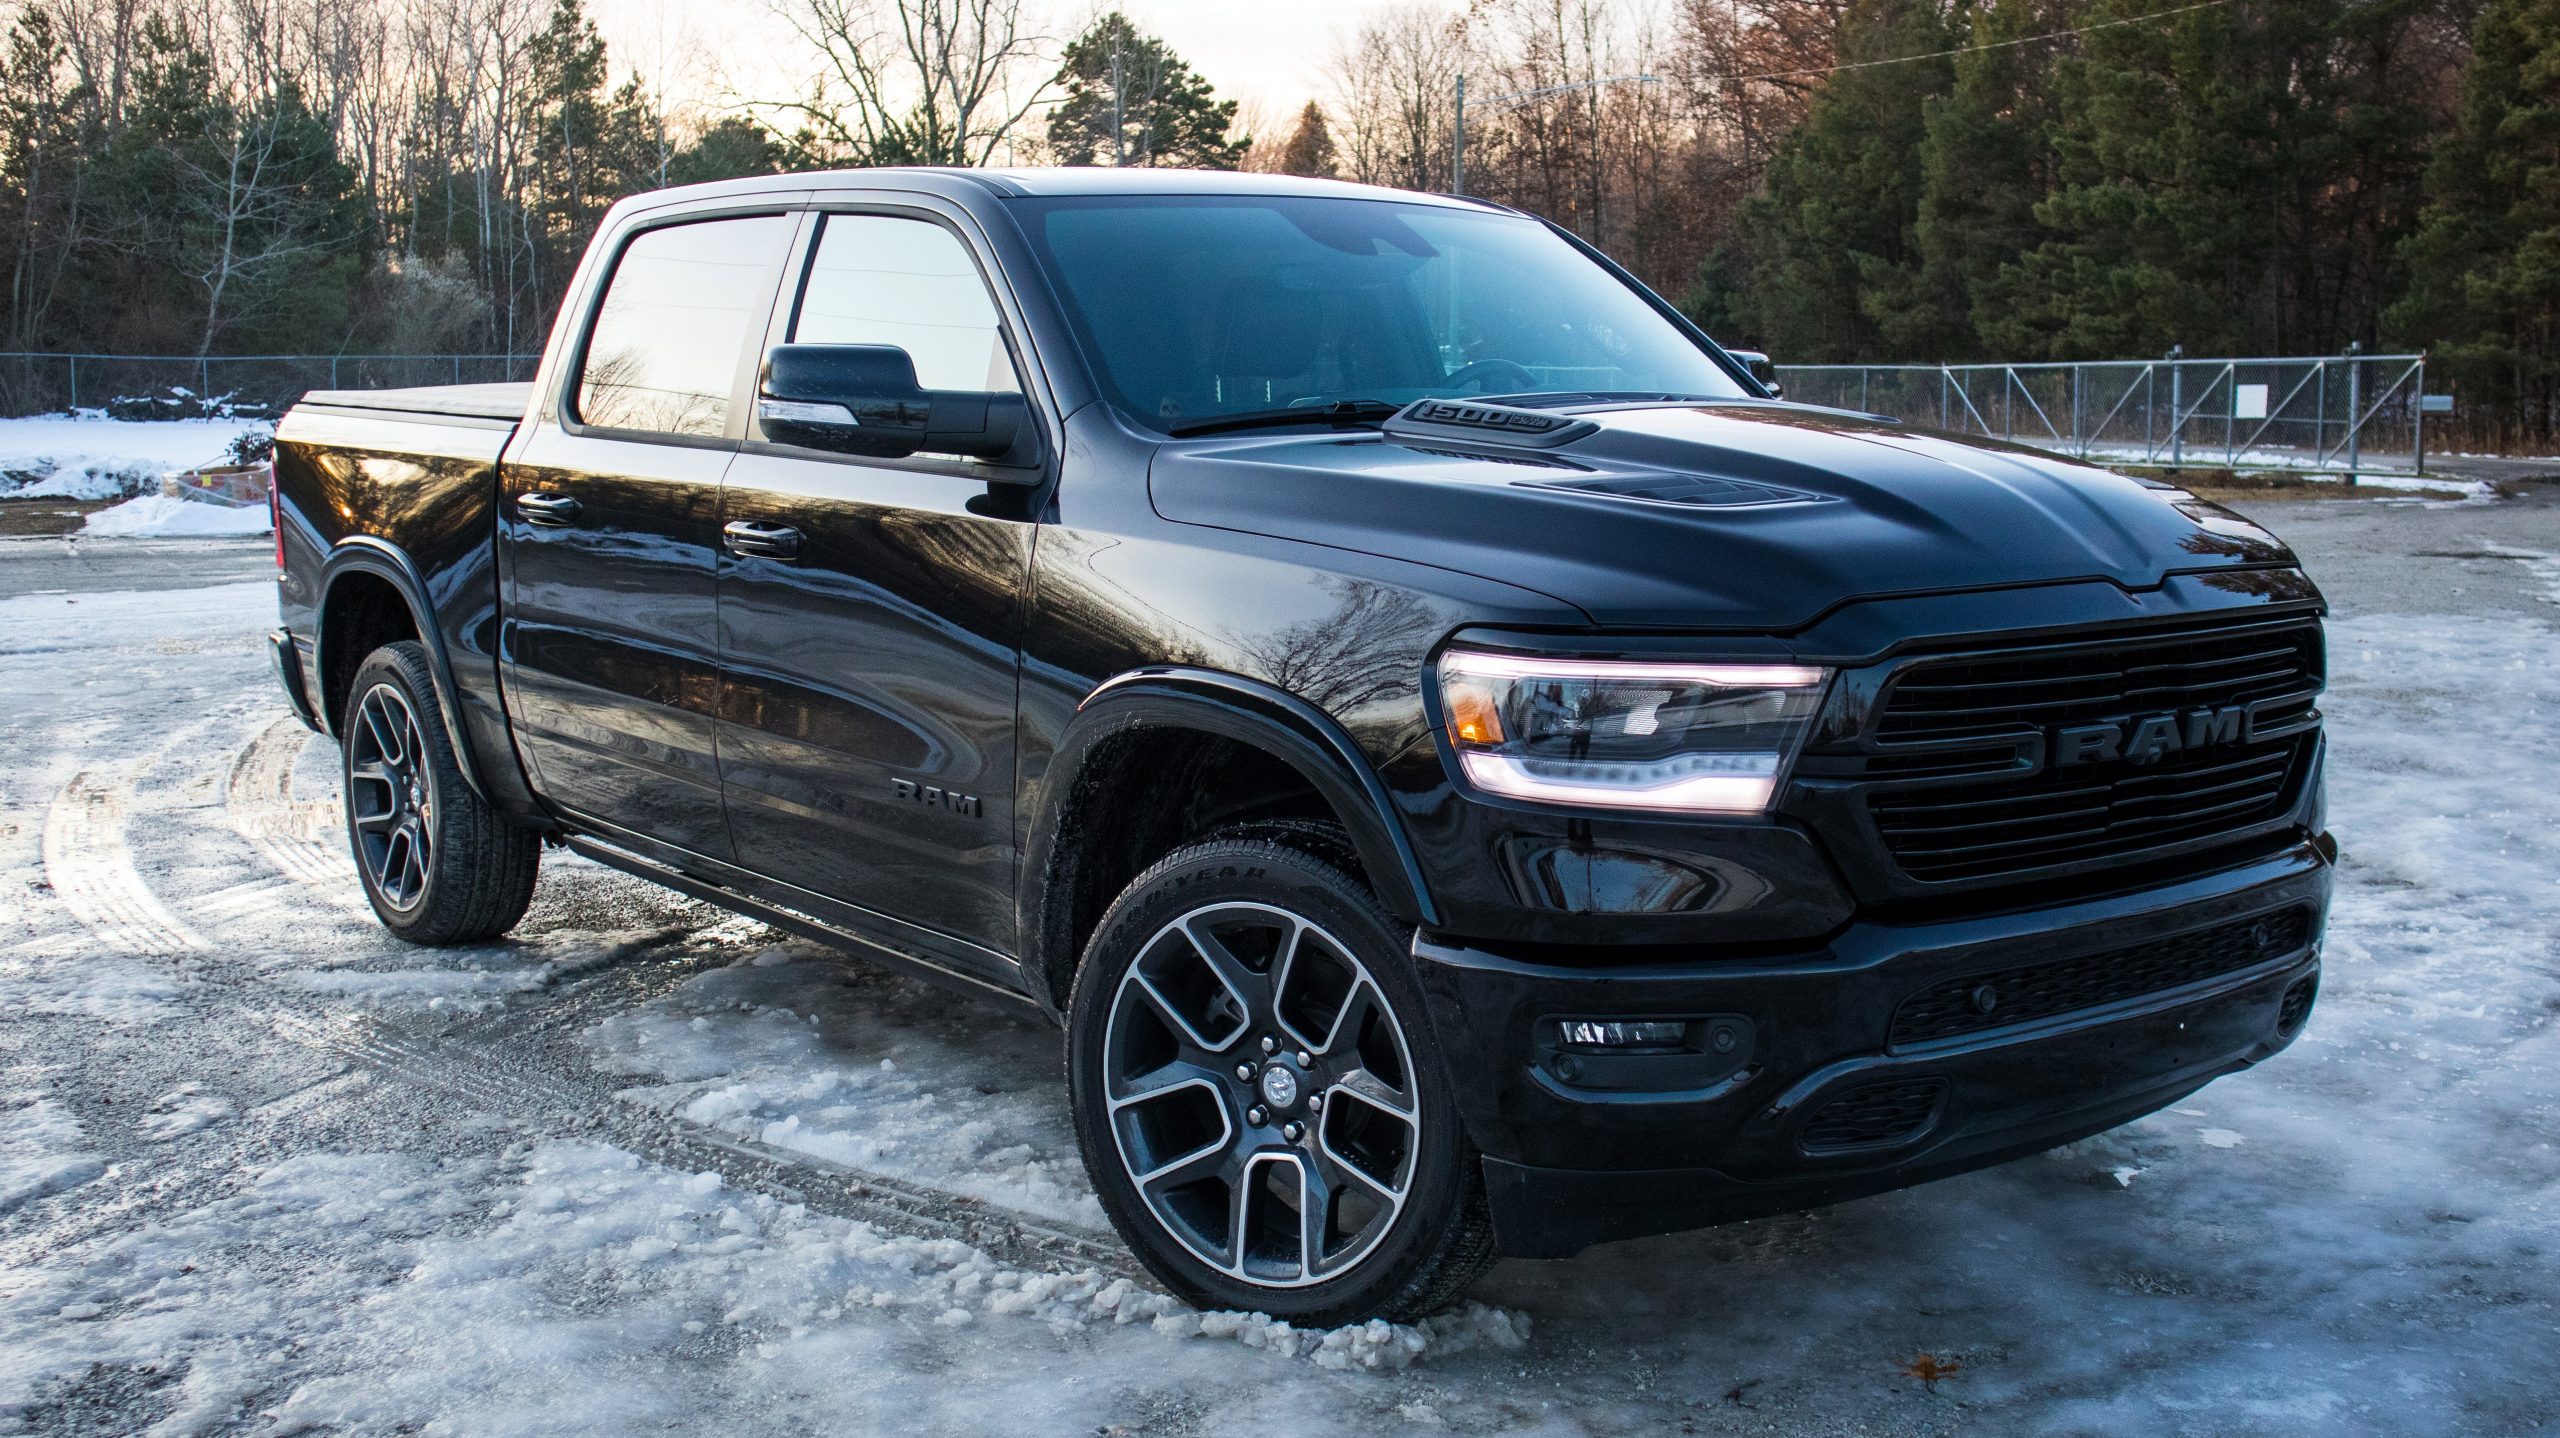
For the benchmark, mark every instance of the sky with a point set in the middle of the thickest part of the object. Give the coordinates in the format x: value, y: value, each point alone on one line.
x: 1267, y: 54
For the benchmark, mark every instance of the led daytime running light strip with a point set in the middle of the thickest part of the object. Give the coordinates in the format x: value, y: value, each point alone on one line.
x: 1476, y: 664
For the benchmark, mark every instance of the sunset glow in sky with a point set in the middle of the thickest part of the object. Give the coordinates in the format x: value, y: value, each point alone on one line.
x: 1269, y: 54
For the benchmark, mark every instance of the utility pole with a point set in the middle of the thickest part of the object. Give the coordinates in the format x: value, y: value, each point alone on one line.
x: 1458, y: 142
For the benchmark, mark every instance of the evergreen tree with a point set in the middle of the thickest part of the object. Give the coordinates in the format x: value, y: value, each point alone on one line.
x: 2225, y: 179
x: 729, y: 150
x: 2485, y: 268
x: 1132, y: 101
x: 1310, y: 148
x: 1984, y: 165
x: 1829, y: 246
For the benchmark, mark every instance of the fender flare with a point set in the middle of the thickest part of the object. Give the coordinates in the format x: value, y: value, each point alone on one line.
x: 1251, y: 712
x: 365, y: 554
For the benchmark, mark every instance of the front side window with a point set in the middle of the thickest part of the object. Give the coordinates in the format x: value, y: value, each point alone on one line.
x: 886, y: 280
x: 1191, y: 308
x: 675, y: 319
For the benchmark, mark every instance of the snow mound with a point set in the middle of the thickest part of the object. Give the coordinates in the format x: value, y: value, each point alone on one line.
x: 161, y: 516
x: 91, y: 457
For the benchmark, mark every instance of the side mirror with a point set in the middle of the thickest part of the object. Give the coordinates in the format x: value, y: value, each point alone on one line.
x: 864, y: 399
x: 1761, y: 370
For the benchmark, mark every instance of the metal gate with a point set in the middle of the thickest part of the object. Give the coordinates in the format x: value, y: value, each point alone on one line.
x: 2345, y: 414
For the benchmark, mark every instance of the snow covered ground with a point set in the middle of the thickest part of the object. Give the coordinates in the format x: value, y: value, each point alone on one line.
x: 92, y: 457
x: 648, y: 1166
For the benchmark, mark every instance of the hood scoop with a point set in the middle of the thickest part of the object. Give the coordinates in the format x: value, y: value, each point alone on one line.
x: 1457, y: 423
x: 1694, y: 491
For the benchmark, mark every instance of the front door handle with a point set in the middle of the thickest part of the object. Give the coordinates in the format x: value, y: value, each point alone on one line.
x: 749, y: 539
x: 554, y: 509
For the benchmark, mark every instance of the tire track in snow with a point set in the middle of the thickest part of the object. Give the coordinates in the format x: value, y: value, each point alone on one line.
x: 287, y: 833
x: 484, y: 1081
x: 91, y: 870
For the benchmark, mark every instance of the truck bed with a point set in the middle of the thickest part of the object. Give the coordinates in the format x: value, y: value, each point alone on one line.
x: 461, y: 401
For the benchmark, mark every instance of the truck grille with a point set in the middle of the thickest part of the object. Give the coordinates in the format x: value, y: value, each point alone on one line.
x: 1988, y: 695
x: 2041, y: 991
x: 2006, y: 823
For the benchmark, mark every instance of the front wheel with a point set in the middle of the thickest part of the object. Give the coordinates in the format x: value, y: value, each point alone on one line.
x: 1260, y: 1103
x: 438, y: 864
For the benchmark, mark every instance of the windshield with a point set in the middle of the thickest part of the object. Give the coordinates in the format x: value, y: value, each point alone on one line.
x: 1191, y: 308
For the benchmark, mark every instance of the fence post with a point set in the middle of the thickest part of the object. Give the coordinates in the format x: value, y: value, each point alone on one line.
x: 2418, y: 408
x: 2355, y: 410
x: 333, y: 371
x: 2077, y: 437
x: 2177, y: 408
x: 75, y: 381
x: 457, y: 369
x: 1944, y: 379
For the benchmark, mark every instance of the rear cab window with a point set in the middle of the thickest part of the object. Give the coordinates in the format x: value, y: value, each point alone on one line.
x: 664, y: 352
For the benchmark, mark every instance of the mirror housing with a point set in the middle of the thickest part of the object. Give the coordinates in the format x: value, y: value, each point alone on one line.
x: 1761, y: 370
x: 864, y: 400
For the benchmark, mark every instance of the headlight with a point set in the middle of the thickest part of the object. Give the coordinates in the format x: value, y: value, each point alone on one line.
x: 1627, y: 734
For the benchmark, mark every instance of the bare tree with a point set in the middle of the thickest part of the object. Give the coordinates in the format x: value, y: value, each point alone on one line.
x: 1395, y: 84
x: 920, y: 82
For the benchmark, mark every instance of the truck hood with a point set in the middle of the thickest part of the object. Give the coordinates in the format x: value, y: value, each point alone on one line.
x: 1741, y: 515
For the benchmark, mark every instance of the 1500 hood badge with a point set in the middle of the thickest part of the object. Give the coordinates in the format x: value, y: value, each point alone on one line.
x: 2147, y: 738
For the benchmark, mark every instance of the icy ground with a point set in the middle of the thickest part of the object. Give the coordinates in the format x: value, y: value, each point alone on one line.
x: 649, y: 1167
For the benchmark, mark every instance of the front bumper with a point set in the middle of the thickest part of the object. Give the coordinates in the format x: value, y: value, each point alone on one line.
x: 1573, y: 1157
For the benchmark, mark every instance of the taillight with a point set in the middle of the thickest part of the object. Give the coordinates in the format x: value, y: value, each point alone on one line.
x: 275, y: 512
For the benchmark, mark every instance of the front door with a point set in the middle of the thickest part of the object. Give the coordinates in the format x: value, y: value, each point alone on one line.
x: 609, y: 534
x: 870, y: 613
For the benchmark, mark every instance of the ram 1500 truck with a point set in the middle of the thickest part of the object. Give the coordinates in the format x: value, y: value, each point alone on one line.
x: 1469, y: 770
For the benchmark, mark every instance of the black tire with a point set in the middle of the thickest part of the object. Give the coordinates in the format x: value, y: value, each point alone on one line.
x: 1154, y: 1054
x: 438, y: 864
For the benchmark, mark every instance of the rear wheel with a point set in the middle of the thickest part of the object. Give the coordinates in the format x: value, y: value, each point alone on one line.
x: 438, y: 864
x: 1260, y: 1103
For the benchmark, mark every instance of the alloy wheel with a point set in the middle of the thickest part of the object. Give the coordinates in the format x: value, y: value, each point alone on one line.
x: 1261, y: 1094
x: 391, y: 804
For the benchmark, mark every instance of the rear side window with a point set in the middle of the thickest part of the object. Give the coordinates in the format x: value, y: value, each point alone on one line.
x: 676, y: 315
x: 883, y: 280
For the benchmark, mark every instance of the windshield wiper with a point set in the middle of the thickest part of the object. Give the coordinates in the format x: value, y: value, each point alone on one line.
x: 1341, y: 411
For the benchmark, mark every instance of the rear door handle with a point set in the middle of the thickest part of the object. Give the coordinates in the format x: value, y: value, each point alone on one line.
x: 761, y: 541
x: 547, y: 508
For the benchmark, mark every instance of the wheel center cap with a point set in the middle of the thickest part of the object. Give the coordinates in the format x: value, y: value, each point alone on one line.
x: 1280, y: 1086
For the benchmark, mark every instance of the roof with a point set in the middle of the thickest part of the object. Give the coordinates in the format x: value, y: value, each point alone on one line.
x: 1064, y: 180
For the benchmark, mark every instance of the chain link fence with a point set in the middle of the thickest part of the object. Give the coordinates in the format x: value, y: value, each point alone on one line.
x: 169, y: 386
x: 2344, y: 414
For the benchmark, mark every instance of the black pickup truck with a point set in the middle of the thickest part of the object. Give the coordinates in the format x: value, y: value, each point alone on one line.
x: 1470, y: 771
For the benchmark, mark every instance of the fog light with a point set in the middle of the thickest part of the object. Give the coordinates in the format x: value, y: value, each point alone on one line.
x: 1595, y: 1034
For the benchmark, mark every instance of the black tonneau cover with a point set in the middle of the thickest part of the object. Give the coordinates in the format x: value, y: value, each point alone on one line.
x: 465, y: 401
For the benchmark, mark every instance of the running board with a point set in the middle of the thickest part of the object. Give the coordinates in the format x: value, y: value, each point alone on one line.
x: 792, y: 921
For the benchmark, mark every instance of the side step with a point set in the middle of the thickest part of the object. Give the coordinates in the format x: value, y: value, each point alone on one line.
x: 793, y: 921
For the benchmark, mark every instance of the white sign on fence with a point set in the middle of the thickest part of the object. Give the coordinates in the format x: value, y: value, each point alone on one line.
x: 2249, y: 401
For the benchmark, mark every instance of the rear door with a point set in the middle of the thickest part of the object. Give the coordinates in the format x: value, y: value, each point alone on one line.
x: 609, y: 533
x: 867, y: 709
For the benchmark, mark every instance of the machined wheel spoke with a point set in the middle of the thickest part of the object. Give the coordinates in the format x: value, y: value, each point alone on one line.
x: 385, y: 730
x: 1250, y: 990
x: 1362, y: 1086
x: 1214, y: 1159
x: 1160, y: 1083
x: 1169, y: 1011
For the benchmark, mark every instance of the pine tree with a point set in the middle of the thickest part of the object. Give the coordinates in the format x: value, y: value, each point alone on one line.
x: 1829, y: 247
x: 1132, y: 101
x: 1984, y: 165
x: 2229, y: 179
x: 1310, y: 147
x: 2485, y: 268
